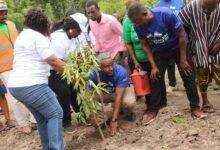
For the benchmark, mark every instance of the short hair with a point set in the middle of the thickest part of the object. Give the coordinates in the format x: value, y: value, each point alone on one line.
x: 129, y: 2
x: 103, y: 56
x: 90, y: 3
x: 136, y: 9
x: 70, y: 12
x: 70, y: 23
x: 37, y: 20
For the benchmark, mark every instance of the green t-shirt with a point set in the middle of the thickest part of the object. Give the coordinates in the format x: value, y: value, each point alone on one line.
x: 4, y: 29
x: 130, y: 36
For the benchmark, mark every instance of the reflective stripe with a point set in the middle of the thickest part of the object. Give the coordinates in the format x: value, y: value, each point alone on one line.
x: 5, y: 48
x: 6, y: 61
x: 6, y: 54
x: 6, y: 67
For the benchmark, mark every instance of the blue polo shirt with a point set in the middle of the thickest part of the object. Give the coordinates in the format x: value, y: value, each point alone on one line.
x: 118, y: 79
x: 162, y: 31
x: 174, y: 5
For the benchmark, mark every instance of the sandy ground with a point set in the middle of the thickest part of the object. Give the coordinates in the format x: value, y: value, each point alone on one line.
x: 173, y: 129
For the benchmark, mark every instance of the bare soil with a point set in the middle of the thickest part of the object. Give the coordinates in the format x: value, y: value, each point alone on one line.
x: 174, y: 129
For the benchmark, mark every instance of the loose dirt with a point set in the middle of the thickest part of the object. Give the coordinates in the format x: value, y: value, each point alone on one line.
x: 174, y: 129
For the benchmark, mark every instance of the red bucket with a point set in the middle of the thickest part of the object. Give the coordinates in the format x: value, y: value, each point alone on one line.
x: 141, y: 82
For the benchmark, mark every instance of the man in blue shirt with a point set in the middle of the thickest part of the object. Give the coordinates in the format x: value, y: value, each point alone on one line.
x: 175, y: 6
x: 162, y: 28
x: 117, y: 82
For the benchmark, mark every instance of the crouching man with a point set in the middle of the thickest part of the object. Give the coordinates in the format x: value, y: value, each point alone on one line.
x: 119, y: 91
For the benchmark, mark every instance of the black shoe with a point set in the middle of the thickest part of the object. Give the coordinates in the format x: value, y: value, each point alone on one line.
x: 162, y: 106
x: 67, y: 124
x: 130, y: 116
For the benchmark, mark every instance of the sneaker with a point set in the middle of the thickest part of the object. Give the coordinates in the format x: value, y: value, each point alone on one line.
x: 149, y: 118
x: 170, y: 89
x: 197, y: 113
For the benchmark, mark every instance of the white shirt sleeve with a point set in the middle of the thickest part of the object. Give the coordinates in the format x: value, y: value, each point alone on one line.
x: 43, y: 47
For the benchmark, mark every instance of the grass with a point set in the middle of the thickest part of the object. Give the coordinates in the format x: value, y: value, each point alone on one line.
x: 179, y: 119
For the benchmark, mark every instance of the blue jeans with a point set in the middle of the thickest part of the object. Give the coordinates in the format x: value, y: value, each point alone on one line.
x: 42, y: 103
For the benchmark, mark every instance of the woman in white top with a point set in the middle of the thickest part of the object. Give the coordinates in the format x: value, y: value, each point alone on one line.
x: 28, y: 81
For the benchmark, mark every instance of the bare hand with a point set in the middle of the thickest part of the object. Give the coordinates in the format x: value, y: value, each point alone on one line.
x: 155, y: 73
x: 215, y: 50
x: 137, y: 64
x: 113, y: 127
x: 185, y: 67
x: 1, y: 82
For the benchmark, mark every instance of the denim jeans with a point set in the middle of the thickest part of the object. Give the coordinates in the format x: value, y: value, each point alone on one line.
x: 42, y: 103
x: 157, y: 87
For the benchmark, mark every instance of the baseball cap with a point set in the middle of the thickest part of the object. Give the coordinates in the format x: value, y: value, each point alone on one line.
x: 3, y: 5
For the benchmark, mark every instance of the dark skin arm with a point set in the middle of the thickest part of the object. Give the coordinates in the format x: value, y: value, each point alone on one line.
x: 184, y: 65
x: 154, y: 71
x: 216, y: 49
x: 56, y: 63
x: 117, y: 107
x: 129, y: 47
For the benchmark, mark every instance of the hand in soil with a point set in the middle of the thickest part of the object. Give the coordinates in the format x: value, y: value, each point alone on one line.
x: 113, y: 127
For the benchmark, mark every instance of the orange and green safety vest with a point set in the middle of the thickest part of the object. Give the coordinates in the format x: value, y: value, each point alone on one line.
x: 7, y: 47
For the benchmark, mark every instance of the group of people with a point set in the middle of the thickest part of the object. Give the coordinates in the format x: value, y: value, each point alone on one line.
x: 31, y: 63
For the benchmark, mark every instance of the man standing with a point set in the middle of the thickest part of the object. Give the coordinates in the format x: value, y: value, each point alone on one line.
x: 162, y: 28
x: 107, y: 31
x: 8, y: 34
x: 202, y: 19
x: 175, y: 6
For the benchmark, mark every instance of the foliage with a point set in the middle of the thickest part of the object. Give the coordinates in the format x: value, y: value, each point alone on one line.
x: 112, y: 6
x: 118, y: 6
x: 76, y: 72
x: 57, y: 8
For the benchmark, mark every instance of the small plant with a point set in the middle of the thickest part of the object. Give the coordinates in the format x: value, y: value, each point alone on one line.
x: 76, y: 72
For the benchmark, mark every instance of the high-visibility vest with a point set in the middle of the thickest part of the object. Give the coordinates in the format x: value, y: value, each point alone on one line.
x: 7, y: 47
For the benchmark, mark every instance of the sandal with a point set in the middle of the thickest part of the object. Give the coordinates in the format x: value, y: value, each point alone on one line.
x: 10, y: 124
x: 197, y: 113
x: 3, y: 127
x: 208, y: 108
x: 149, y: 118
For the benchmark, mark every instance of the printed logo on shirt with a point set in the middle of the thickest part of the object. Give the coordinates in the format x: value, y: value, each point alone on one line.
x: 172, y: 7
x: 149, y: 36
x: 159, y: 38
x: 157, y: 35
x: 111, y: 87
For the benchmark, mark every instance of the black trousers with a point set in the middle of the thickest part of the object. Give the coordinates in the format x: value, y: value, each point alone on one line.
x: 65, y: 95
x: 157, y: 86
x: 163, y: 98
x: 171, y: 73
